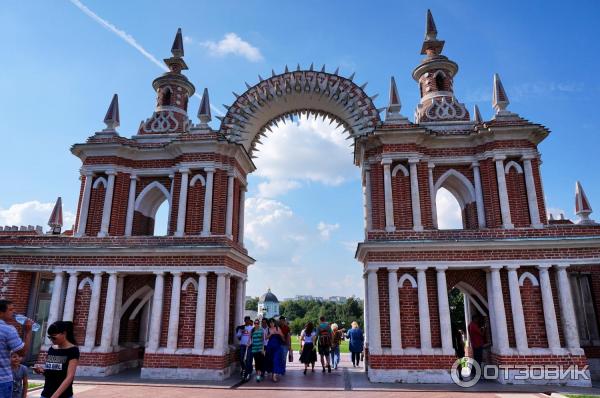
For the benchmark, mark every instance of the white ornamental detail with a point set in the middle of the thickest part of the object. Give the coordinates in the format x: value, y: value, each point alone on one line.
x: 163, y: 122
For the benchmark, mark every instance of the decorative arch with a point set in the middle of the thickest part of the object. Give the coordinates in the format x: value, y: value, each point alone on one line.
x: 196, y: 178
x: 514, y: 164
x: 458, y: 185
x: 471, y: 291
x: 189, y: 281
x: 85, y: 281
x: 100, y: 181
x: 294, y: 93
x: 140, y: 292
x: 400, y: 167
x: 407, y: 277
x: 141, y: 304
x: 150, y: 199
x: 528, y: 275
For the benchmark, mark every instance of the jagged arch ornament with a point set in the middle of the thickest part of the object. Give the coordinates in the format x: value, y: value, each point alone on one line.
x: 295, y: 93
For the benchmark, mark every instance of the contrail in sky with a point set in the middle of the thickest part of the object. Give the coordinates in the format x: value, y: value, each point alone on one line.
x: 131, y: 41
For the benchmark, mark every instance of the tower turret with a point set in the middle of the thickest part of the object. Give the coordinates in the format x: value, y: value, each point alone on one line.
x: 173, y: 90
x: 435, y: 76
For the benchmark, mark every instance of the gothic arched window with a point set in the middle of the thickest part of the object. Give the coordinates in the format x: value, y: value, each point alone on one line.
x: 166, y: 98
x: 439, y: 82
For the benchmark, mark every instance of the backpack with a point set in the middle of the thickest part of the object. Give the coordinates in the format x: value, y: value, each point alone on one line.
x: 324, y: 338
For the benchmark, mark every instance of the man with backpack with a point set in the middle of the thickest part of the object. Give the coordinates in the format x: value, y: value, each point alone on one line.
x: 324, y: 340
x: 243, y: 334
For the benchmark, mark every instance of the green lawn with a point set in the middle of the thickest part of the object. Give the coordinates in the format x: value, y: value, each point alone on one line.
x: 33, y: 384
x: 296, y: 345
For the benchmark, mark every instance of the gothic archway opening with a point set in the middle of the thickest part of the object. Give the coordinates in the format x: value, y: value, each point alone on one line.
x: 465, y: 303
x: 453, y: 189
x: 146, y: 210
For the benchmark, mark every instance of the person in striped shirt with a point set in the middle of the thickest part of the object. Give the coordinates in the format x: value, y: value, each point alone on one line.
x: 10, y: 342
x: 258, y: 350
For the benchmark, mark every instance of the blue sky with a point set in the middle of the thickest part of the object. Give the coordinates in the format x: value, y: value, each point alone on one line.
x: 61, y: 67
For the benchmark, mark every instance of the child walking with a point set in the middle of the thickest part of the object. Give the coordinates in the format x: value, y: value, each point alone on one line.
x: 19, y: 371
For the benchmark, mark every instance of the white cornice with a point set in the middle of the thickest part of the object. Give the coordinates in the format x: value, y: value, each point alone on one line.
x: 480, y: 264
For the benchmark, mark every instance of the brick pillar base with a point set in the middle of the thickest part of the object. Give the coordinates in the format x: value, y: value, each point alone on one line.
x: 100, y: 364
x: 189, y: 366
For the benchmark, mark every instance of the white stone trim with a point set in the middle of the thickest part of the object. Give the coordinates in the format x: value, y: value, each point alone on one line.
x: 156, y: 316
x: 400, y: 167
x: 108, y: 202
x: 173, y: 326
x: 514, y: 165
x: 99, y: 181
x: 109, y: 312
x: 208, y: 201
x: 516, y: 305
x: 139, y: 201
x: 427, y: 376
x: 463, y: 197
x: 374, y: 342
x: 388, y: 198
x: 478, y: 195
x: 189, y: 281
x: 229, y: 209
x: 415, y: 195
x: 569, y: 320
x: 55, y: 300
x: 188, y: 374
x: 394, y: 305
x: 549, y: 310
x: 130, y: 205
x: 424, y: 318
x: 69, y: 309
x: 92, y: 321
x: 404, y: 278
x: 532, y: 201
x: 530, y: 276
x: 198, y: 177
x: 181, y: 209
x: 501, y: 337
x: 199, y: 328
x: 141, y: 304
x: 140, y: 292
x: 432, y: 194
x: 477, y: 264
x: 85, y: 281
x: 85, y: 204
x: 503, y: 193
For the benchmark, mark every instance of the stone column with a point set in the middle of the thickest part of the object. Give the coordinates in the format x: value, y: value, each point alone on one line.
x: 534, y: 213
x: 516, y: 306
x: 499, y: 312
x: 182, y: 208
x: 156, y: 316
x: 92, y: 322
x: 424, y: 321
x: 387, y: 190
x: 432, y: 194
x: 239, y: 301
x: 367, y: 199
x: 414, y: 195
x: 229, y: 213
x: 108, y: 199
x: 366, y: 312
x: 71, y: 296
x: 444, y: 311
x: 109, y: 312
x: 395, y: 326
x: 549, y: 311
x: 492, y: 313
x: 174, y: 312
x: 242, y: 211
x: 200, y: 312
x: 227, y: 309
x: 55, y: 300
x: 208, y: 199
x: 502, y: 192
x: 130, y: 204
x: 569, y: 321
x: 119, y: 305
x: 219, y: 331
x: 478, y: 195
x: 85, y: 203
x: 373, y: 312
x: 172, y: 178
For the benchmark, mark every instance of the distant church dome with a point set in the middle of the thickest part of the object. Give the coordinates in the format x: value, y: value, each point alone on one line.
x: 268, y: 297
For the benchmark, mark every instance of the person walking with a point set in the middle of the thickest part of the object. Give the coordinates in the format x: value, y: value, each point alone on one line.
x: 258, y: 350
x: 273, y: 363
x: 337, y: 336
x: 61, y: 361
x: 20, y: 380
x: 10, y: 342
x: 356, y: 343
x: 476, y: 337
x: 243, y: 334
x: 286, y: 347
x: 324, y: 343
x: 308, y: 337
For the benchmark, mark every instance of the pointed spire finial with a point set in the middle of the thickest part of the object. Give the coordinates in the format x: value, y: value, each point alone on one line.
x: 112, y: 119
x: 56, y: 217
x: 431, y: 45
x: 477, y: 115
x: 430, y: 30
x: 392, y: 114
x: 499, y: 98
x: 204, y: 110
x: 583, y: 209
x: 177, y: 47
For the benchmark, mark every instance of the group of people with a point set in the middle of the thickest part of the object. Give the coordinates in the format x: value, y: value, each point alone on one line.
x: 60, y: 364
x: 267, y: 344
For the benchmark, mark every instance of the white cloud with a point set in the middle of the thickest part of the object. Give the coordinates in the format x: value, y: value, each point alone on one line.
x: 33, y: 213
x: 449, y: 215
x: 233, y: 44
x: 306, y: 151
x: 325, y: 229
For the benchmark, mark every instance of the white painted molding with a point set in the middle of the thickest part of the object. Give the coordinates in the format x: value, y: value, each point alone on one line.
x: 148, y: 207
x: 189, y: 281
x: 401, y: 168
x: 138, y: 293
x: 410, y: 278
x: 141, y: 304
x: 84, y: 281
x: 530, y: 276
x: 514, y: 164
x: 471, y: 291
x: 458, y: 185
x: 100, y: 180
x: 198, y: 177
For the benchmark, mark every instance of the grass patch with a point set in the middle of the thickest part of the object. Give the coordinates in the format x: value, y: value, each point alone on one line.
x: 33, y: 384
x: 296, y: 345
x: 582, y: 396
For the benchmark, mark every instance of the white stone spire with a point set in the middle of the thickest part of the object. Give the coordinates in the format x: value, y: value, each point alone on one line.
x: 583, y: 209
x: 55, y: 222
x: 499, y: 98
x: 392, y: 115
x: 477, y: 115
x: 112, y: 119
x: 204, y: 110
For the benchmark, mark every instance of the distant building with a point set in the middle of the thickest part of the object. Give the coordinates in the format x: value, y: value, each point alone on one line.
x: 268, y: 305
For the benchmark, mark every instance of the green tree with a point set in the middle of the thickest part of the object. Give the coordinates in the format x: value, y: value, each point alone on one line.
x: 252, y: 304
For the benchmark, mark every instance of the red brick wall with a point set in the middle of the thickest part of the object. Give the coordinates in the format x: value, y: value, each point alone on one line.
x: 187, y: 314
x: 236, y: 209
x: 232, y: 297
x: 211, y: 299
x: 517, y: 198
x: 81, y: 189
x: 103, y: 290
x: 94, y: 220
x: 475, y: 278
x: 402, y: 201
x: 175, y: 203
x: 491, y: 200
x: 142, y: 225
x: 469, y: 216
x: 377, y: 197
x: 434, y: 312
x: 195, y: 206
x: 187, y: 361
x: 118, y: 213
x: 507, y: 308
x: 164, y: 328
x: 384, y: 307
x: 557, y: 306
x: 409, y: 313
x: 219, y: 205
x: 537, y: 178
x: 424, y: 195
x: 82, y: 307
x: 533, y: 310
x: 555, y: 360
x: 411, y: 361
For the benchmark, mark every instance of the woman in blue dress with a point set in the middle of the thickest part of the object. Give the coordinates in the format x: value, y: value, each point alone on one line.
x: 356, y: 343
x: 275, y: 342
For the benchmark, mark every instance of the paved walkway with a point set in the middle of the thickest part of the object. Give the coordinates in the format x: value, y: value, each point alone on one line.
x: 344, y: 382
